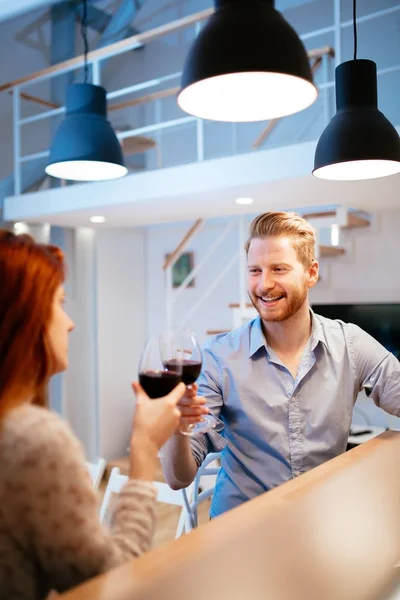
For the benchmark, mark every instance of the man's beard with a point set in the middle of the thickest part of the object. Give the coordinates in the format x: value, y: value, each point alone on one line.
x: 289, y: 309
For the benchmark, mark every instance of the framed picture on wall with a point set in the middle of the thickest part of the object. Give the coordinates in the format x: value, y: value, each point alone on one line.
x: 181, y: 269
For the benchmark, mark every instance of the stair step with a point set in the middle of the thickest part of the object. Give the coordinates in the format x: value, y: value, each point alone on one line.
x: 217, y: 331
x: 331, y: 251
x: 353, y: 220
x: 237, y: 305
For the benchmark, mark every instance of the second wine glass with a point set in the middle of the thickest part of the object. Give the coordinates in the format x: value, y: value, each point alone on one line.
x: 192, y: 360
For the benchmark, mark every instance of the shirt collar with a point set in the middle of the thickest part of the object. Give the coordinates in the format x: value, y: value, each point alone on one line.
x: 317, y: 332
x: 257, y: 339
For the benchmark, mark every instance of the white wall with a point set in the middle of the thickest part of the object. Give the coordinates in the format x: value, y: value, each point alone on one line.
x: 121, y: 332
x: 106, y: 299
x: 368, y: 272
x: 80, y: 381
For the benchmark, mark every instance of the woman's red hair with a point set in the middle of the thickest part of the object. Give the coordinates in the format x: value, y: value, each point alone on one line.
x: 30, y: 274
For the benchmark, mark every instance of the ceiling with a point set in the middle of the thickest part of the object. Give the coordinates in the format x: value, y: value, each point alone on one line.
x: 301, y: 192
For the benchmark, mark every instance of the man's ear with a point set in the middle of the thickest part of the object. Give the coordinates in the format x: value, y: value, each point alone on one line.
x: 313, y: 273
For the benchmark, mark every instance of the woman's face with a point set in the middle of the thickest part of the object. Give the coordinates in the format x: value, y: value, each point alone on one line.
x: 59, y: 327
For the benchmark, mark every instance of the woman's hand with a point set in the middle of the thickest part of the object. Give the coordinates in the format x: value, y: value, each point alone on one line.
x: 192, y: 408
x: 156, y: 420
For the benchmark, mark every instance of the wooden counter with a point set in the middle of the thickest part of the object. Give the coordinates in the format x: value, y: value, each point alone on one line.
x: 331, y: 534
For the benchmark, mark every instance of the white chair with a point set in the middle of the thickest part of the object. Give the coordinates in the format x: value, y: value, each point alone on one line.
x: 204, y: 483
x: 96, y: 471
x: 164, y: 494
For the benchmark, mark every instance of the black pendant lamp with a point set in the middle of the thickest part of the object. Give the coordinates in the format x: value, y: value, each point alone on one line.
x: 246, y: 64
x: 359, y: 142
x: 85, y: 147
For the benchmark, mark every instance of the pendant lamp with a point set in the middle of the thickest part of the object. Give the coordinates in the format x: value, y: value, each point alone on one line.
x: 359, y: 142
x: 246, y: 64
x: 85, y: 147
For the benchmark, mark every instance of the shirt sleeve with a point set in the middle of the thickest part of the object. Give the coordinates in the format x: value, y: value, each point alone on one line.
x: 378, y: 370
x: 60, y: 514
x: 210, y: 387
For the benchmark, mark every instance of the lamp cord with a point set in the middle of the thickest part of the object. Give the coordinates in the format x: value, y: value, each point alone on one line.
x: 355, y: 29
x: 85, y: 41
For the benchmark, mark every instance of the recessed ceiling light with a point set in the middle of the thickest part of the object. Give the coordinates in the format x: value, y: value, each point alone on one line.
x: 244, y: 200
x: 97, y: 219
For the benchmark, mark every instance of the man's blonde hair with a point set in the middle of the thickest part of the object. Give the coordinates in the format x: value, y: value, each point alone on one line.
x: 286, y: 224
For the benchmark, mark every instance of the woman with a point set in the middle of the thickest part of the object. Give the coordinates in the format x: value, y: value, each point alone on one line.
x: 50, y: 535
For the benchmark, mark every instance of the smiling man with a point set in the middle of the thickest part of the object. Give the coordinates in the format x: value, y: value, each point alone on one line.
x: 284, y: 384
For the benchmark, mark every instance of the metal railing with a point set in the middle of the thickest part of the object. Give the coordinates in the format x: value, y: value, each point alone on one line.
x: 96, y: 57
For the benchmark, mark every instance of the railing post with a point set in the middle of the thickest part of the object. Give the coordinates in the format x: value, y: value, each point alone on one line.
x: 327, y: 90
x: 96, y: 72
x: 157, y: 111
x: 200, y: 140
x: 17, y: 141
x: 337, y: 21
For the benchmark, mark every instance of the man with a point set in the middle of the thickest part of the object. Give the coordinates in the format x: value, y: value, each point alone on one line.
x: 284, y: 384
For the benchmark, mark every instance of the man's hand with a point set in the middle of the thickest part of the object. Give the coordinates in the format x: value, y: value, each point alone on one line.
x: 192, y: 407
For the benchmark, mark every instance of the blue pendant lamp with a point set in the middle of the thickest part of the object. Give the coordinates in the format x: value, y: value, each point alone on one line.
x: 85, y: 147
x: 359, y: 142
x: 246, y: 64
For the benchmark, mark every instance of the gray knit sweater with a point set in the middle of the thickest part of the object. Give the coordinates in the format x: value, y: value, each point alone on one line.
x: 50, y: 534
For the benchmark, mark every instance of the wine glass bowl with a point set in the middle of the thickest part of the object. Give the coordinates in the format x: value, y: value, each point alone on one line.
x: 160, y: 368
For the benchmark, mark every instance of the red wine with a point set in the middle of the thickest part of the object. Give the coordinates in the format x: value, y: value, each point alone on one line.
x: 158, y: 383
x: 190, y: 370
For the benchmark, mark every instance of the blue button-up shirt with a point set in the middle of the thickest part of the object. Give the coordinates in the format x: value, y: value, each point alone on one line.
x: 278, y: 426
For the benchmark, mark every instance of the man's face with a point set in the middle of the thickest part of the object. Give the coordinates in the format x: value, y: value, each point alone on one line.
x: 278, y: 282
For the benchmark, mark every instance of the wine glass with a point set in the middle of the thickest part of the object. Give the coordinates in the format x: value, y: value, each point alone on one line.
x: 160, y: 368
x: 192, y: 360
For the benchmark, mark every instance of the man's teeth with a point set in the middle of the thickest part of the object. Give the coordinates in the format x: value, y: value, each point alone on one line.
x: 271, y: 299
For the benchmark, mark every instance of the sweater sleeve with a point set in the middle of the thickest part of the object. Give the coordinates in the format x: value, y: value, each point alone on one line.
x: 59, y: 514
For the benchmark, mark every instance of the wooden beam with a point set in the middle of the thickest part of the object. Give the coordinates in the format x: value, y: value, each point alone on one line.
x: 313, y: 54
x: 132, y: 102
x: 319, y: 52
x: 146, y: 98
x: 197, y: 224
x: 113, y: 49
x: 37, y: 100
x: 217, y: 331
x: 265, y: 133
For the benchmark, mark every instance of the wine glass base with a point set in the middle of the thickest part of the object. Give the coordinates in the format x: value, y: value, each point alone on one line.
x: 208, y: 423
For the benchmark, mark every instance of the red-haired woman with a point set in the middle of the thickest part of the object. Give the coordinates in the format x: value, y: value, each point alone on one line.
x: 50, y: 535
